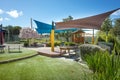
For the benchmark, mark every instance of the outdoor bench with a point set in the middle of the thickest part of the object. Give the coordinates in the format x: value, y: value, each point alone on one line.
x: 14, y: 49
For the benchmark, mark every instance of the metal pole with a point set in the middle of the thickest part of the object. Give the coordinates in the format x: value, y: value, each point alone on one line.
x: 8, y: 35
x: 52, y: 37
x: 93, y: 37
x: 31, y: 23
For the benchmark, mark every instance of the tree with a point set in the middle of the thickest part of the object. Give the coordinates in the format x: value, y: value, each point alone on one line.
x: 12, y: 32
x: 16, y: 30
x: 28, y: 33
x: 116, y: 29
x: 107, y: 25
x: 68, y: 19
x: 67, y: 34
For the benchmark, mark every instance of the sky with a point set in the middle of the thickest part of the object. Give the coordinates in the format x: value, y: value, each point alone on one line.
x: 19, y: 12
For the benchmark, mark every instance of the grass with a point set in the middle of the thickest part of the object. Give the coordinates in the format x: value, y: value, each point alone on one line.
x: 7, y: 56
x: 43, y: 68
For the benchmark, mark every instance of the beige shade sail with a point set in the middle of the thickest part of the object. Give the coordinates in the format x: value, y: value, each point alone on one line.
x: 92, y: 22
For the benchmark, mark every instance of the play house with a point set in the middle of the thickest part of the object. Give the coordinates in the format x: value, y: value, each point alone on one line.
x: 78, y: 36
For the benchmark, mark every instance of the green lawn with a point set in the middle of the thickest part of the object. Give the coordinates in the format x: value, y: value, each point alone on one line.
x: 43, y: 68
x: 25, y: 52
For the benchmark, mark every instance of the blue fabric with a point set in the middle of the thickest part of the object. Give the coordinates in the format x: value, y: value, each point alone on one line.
x: 43, y: 26
x: 46, y: 28
x: 43, y: 31
x: 60, y: 31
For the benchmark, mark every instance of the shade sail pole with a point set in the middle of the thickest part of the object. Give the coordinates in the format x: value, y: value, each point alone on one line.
x: 52, y: 37
x: 93, y: 37
x: 31, y: 23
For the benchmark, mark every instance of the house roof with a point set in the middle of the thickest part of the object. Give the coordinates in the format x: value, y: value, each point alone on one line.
x: 88, y: 22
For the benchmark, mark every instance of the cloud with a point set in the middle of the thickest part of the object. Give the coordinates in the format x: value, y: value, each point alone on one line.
x: 1, y: 19
x: 14, y: 13
x: 116, y: 13
x: 1, y: 11
x: 7, y: 19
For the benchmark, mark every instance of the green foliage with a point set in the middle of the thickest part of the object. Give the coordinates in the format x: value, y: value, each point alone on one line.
x: 14, y: 42
x: 70, y: 43
x: 102, y: 36
x: 116, y: 29
x: 104, y: 66
x: 107, y: 25
x: 26, y: 44
x: 12, y: 33
x: 55, y: 44
x: 88, y: 49
x: 68, y: 19
x: 116, y: 49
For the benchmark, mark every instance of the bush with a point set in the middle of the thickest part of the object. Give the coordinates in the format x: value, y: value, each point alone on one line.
x: 13, y: 42
x: 55, y: 44
x: 89, y: 48
x: 26, y: 44
x: 100, y: 39
x: 104, y: 66
x: 70, y: 43
x: 107, y: 45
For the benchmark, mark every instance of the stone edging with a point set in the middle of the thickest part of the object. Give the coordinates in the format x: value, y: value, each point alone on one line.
x: 17, y: 59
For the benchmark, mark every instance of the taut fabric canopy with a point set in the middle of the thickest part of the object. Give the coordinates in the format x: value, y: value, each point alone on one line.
x: 88, y: 22
x: 43, y: 27
x: 46, y: 28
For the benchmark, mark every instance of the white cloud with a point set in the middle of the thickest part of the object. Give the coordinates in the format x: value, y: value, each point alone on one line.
x: 15, y: 13
x: 1, y: 19
x: 116, y: 13
x: 7, y: 19
x: 1, y: 11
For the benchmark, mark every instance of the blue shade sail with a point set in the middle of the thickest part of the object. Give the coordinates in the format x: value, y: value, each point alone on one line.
x: 43, y: 26
x: 40, y: 31
x: 46, y: 28
x: 60, y: 31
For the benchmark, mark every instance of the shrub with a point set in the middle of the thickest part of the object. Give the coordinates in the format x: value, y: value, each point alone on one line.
x: 70, y: 43
x: 89, y: 48
x: 104, y: 66
x: 55, y: 44
x: 26, y: 44
x: 107, y: 45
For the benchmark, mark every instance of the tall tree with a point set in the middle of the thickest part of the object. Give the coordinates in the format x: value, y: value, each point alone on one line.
x: 67, y: 34
x: 12, y: 32
x: 68, y: 18
x: 116, y: 28
x: 16, y: 30
x: 107, y: 25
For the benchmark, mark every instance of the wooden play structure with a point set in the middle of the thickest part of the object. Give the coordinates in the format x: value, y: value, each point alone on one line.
x: 78, y: 36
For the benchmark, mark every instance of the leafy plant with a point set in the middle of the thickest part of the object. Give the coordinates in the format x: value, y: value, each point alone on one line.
x: 88, y: 49
x: 104, y: 66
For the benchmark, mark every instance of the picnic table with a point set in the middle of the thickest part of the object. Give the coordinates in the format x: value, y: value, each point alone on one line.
x: 68, y: 48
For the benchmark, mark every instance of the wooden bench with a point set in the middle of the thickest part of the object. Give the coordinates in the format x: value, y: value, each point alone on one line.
x: 14, y: 49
